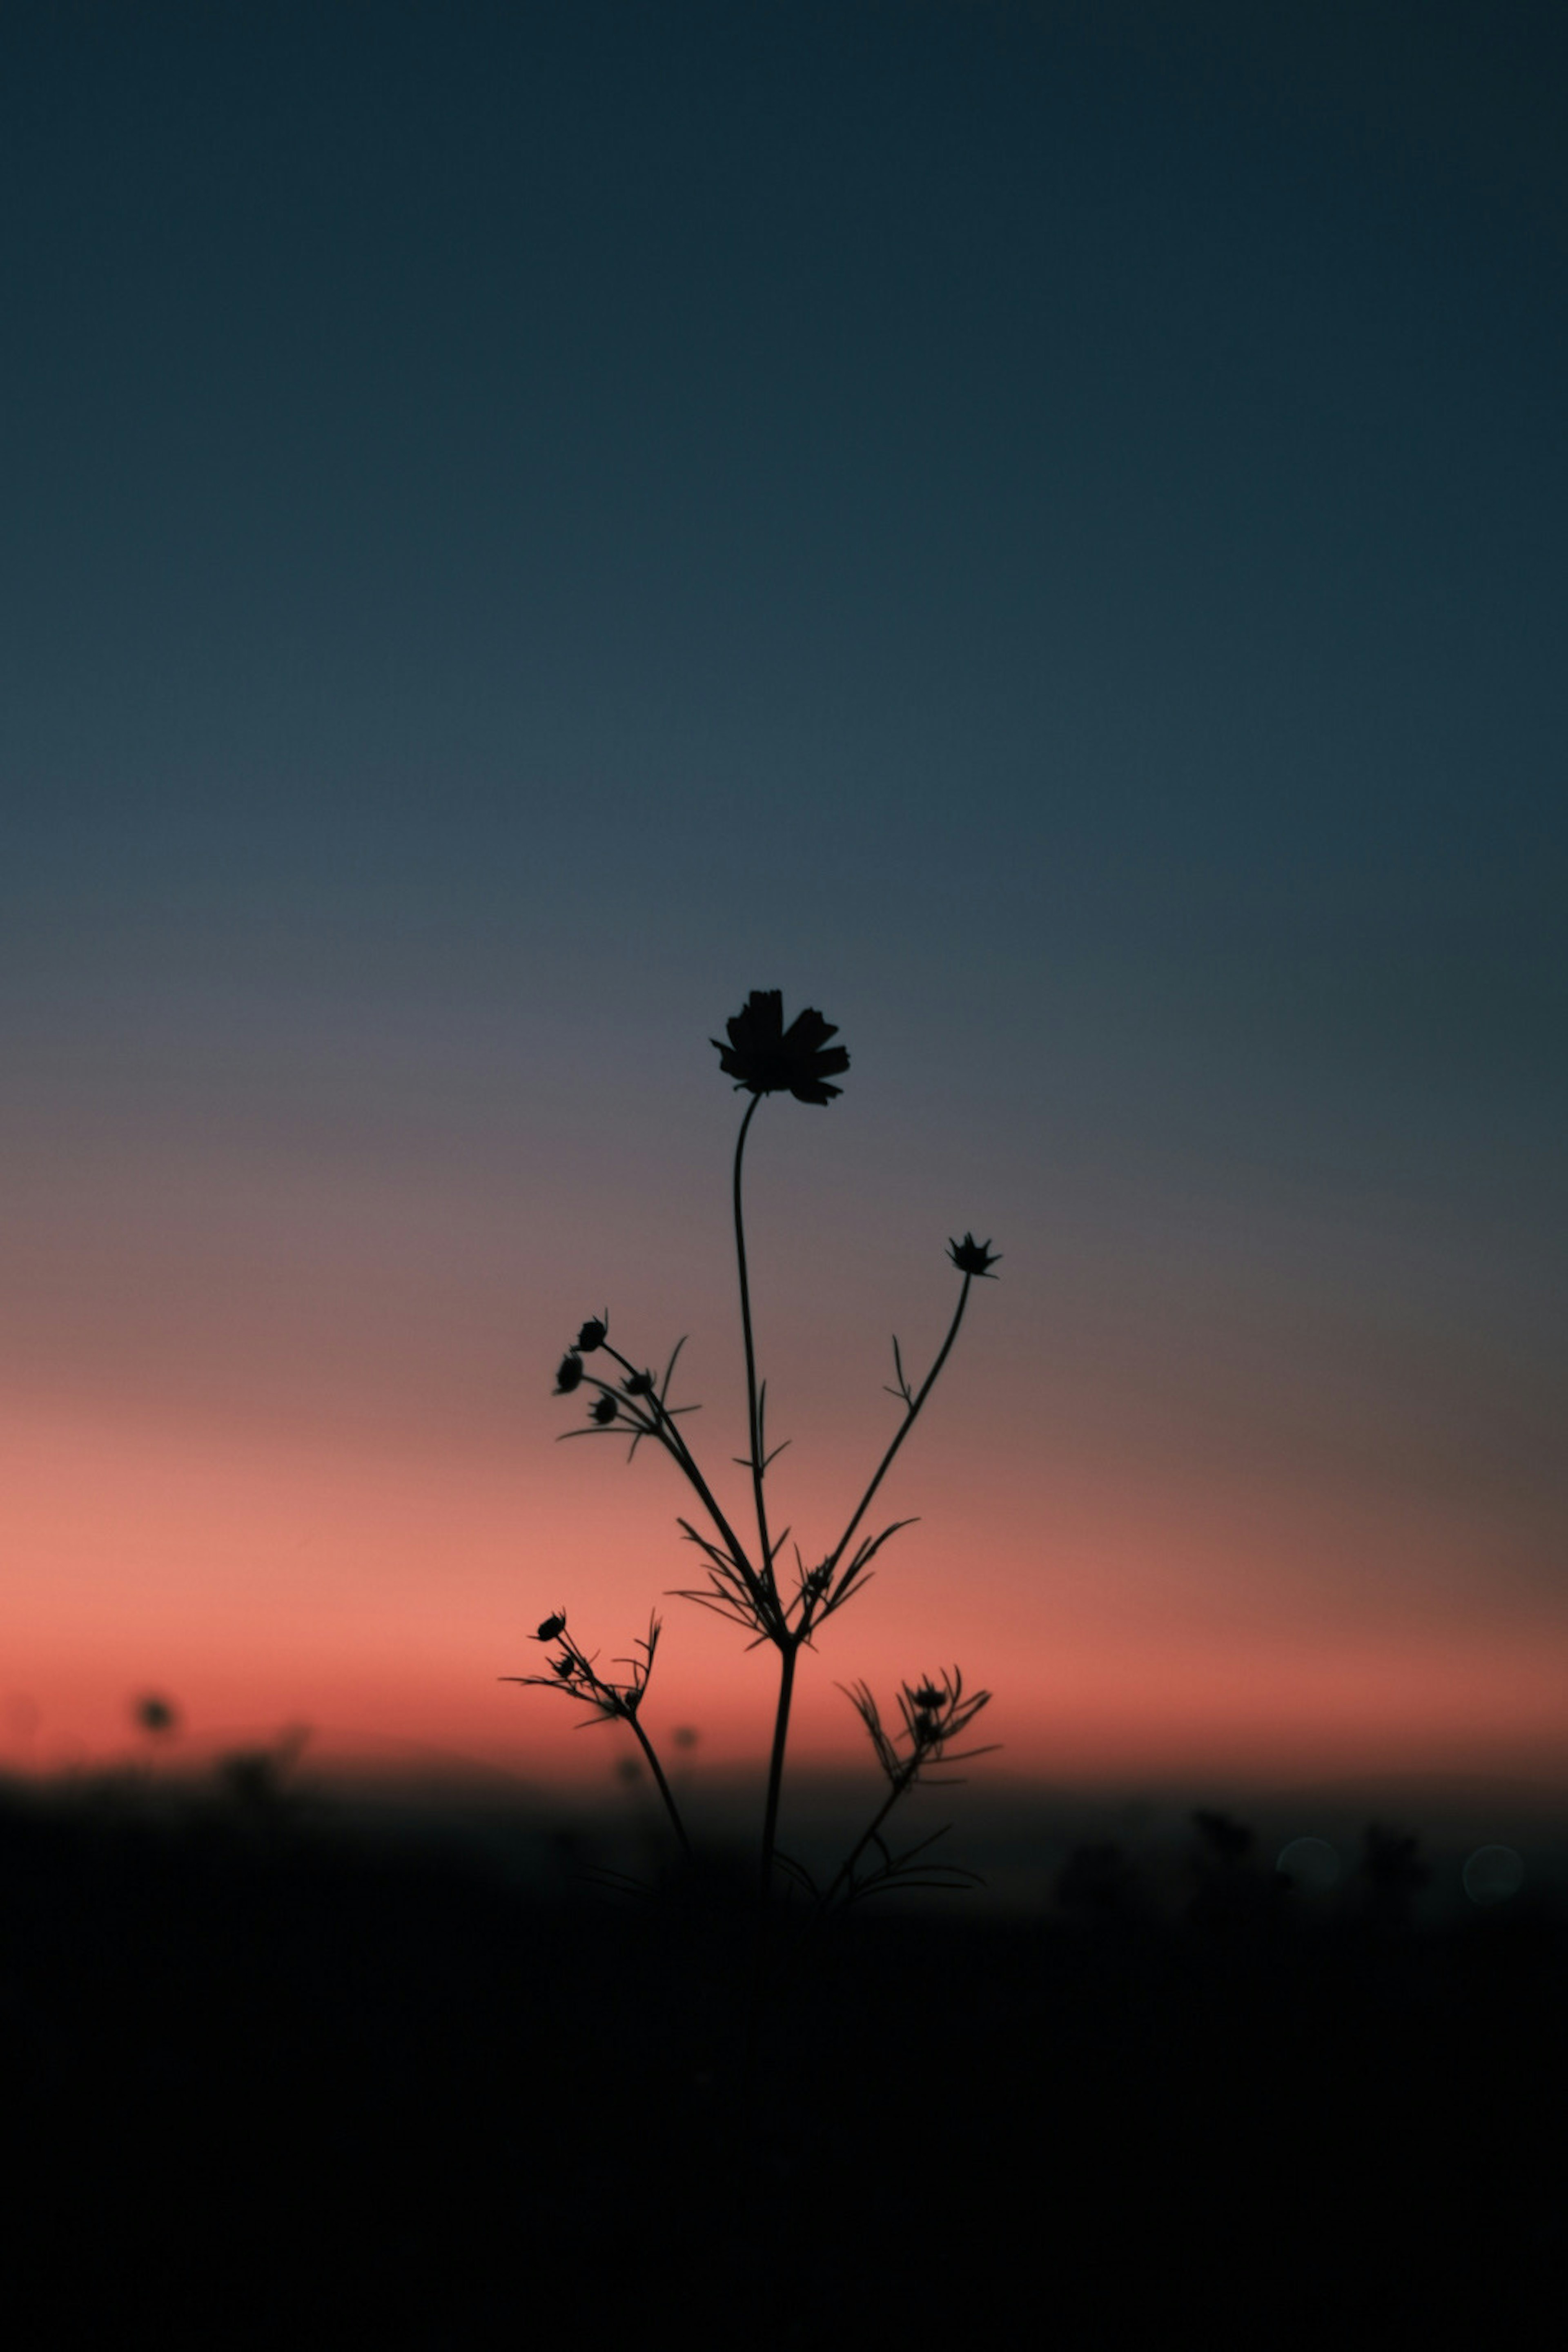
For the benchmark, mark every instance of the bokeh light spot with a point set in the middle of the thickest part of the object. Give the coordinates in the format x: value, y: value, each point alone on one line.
x: 1492, y: 1874
x: 1310, y: 1862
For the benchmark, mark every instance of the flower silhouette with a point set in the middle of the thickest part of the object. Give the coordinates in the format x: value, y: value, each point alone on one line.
x: 766, y: 1058
x: 745, y: 1583
x: 971, y: 1256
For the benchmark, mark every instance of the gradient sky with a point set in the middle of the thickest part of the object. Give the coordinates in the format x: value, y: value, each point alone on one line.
x: 1039, y: 531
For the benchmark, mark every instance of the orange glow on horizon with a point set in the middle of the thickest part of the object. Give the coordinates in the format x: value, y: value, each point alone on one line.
x: 376, y: 1599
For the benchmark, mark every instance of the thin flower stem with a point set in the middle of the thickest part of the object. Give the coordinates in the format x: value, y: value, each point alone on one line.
x: 904, y: 1782
x: 908, y: 1422
x: 787, y: 1652
x: 755, y: 1442
x: 665, y: 1791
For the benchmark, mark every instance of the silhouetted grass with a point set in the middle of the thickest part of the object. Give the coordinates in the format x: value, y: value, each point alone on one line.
x: 273, y: 2081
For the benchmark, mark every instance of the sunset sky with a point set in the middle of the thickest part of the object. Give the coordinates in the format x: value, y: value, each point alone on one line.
x: 1036, y: 529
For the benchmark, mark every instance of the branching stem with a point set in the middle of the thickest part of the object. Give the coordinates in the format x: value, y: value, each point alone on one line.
x: 675, y: 1445
x: 908, y: 1424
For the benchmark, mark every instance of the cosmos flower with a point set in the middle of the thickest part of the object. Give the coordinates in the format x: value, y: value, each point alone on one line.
x: 592, y: 1335
x: 971, y: 1256
x: 569, y: 1374
x: 766, y: 1058
x: 602, y: 1411
x: 552, y: 1627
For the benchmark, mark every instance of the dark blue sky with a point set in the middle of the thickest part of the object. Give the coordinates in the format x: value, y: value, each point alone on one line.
x: 1064, y: 480
x: 1112, y: 463
x: 1041, y: 530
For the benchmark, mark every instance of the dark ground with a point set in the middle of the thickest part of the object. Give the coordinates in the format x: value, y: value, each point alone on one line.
x: 271, y: 2081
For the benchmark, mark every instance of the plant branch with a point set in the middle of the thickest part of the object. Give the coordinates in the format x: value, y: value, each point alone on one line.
x: 675, y: 1446
x: 905, y: 1780
x: 905, y: 1427
x: 665, y: 1791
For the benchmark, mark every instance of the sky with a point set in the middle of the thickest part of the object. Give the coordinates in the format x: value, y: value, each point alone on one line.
x: 1037, y: 530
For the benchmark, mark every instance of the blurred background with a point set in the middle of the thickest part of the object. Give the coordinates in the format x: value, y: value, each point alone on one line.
x: 1036, y: 529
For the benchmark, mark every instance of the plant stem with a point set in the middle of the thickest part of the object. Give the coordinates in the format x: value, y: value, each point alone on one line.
x: 754, y: 1445
x: 908, y: 1422
x: 665, y: 1789
x: 900, y: 1786
x: 787, y: 1646
x: 787, y: 1649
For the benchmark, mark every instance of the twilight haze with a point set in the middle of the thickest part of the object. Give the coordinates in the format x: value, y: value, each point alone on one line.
x: 1037, y: 530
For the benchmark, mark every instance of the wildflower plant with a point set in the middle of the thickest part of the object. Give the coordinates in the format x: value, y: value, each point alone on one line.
x: 743, y: 1579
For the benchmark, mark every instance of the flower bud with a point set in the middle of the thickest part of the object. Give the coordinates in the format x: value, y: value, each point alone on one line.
x: 971, y: 1256
x: 569, y: 1374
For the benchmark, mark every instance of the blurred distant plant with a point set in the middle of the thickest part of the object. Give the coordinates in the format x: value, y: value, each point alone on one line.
x: 1390, y: 1875
x: 743, y: 1581
x: 1232, y: 1894
x: 159, y: 1717
x: 255, y: 1788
